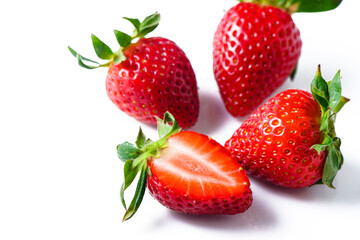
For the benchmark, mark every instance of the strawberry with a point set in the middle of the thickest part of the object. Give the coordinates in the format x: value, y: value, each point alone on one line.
x: 185, y: 171
x: 256, y: 47
x: 290, y: 140
x: 147, y: 76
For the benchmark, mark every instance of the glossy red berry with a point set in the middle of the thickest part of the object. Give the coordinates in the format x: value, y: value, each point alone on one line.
x: 255, y: 49
x: 155, y: 77
x: 275, y: 142
x: 147, y: 76
x: 291, y: 140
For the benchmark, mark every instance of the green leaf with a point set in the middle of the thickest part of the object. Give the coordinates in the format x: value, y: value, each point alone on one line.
x: 141, y: 139
x: 144, y: 27
x: 320, y: 84
x: 84, y: 65
x: 322, y: 101
x: 139, y: 194
x: 335, y: 91
x: 130, y: 172
x: 332, y: 165
x: 292, y: 75
x: 134, y: 21
x: 122, y: 189
x: 75, y: 54
x: 163, y: 129
x: 300, y: 5
x: 127, y: 151
x: 82, y: 60
x: 325, y: 117
x: 320, y: 91
x: 325, y: 143
x: 328, y: 96
x: 101, y: 49
x: 168, y: 126
x: 317, y: 5
x: 136, y: 160
x: 337, y: 144
x: 342, y: 102
x: 150, y: 22
x: 123, y: 39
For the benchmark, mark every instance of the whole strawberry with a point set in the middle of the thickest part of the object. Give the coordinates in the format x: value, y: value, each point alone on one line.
x: 256, y: 48
x: 185, y: 171
x: 290, y: 140
x: 147, y: 76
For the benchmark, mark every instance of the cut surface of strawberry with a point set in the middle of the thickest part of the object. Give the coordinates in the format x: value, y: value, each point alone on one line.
x: 193, y: 164
x: 185, y: 171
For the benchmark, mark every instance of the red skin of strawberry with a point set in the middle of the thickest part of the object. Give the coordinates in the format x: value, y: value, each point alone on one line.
x: 196, y: 175
x: 155, y: 77
x: 255, y: 49
x: 274, y: 143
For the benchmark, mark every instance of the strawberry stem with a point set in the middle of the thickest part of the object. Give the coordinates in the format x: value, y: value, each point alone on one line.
x: 139, y: 194
x: 328, y: 96
x: 292, y: 6
x: 104, y: 52
x: 135, y: 160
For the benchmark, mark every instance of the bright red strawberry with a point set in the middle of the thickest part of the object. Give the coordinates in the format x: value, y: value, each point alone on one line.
x: 290, y: 140
x: 149, y: 76
x: 256, y: 48
x: 185, y: 171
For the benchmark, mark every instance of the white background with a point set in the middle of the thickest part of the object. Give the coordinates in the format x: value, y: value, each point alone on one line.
x: 59, y: 172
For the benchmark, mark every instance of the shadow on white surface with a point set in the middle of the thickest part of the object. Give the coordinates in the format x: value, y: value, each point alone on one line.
x: 258, y: 216
x: 212, y: 113
x: 347, y: 184
x: 346, y: 192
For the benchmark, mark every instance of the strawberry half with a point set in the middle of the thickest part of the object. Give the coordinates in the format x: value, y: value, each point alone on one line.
x: 185, y: 171
x: 147, y: 76
x: 256, y: 47
x: 290, y: 140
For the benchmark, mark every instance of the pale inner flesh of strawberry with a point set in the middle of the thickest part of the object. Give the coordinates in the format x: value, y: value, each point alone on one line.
x: 198, y: 167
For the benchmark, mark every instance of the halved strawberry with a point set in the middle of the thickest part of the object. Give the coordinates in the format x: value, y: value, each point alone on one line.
x: 185, y: 171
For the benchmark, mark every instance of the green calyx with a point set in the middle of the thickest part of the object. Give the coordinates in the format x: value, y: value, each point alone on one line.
x: 104, y: 52
x: 135, y: 160
x: 292, y: 6
x: 328, y: 96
